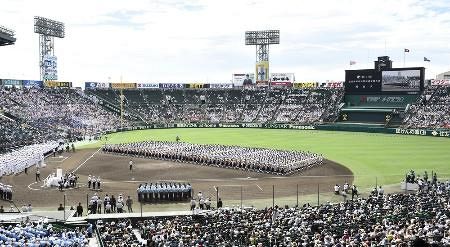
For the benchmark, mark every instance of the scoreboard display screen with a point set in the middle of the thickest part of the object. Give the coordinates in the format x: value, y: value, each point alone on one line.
x: 389, y: 81
x: 401, y: 80
x: 362, y: 81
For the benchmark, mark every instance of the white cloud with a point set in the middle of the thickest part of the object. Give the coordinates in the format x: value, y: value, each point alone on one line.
x: 204, y: 40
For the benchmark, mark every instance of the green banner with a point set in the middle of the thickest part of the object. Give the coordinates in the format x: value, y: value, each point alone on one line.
x: 331, y: 127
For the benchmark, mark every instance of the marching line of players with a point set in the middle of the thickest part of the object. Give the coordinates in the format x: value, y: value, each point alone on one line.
x: 156, y: 192
x: 6, y: 192
x: 262, y: 160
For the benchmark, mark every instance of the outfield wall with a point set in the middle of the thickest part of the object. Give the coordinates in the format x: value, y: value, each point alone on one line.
x: 331, y: 127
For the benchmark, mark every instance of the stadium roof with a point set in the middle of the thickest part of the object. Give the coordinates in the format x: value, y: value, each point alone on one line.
x: 6, y: 36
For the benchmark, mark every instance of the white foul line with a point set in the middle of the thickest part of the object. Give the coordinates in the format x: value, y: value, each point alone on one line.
x: 84, y: 162
x: 259, y: 187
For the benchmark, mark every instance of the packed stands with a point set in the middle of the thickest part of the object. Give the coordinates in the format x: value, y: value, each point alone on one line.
x: 305, y: 106
x: 37, y: 115
x: 431, y: 111
x: 29, y: 116
x: 405, y: 219
x: 378, y: 220
x: 15, y: 134
x: 42, y: 234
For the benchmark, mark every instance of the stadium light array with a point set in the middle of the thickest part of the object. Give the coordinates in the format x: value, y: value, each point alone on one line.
x: 265, y: 37
x: 49, y: 27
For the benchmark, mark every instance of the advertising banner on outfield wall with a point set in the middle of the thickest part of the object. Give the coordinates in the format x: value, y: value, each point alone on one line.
x: 228, y: 85
x: 58, y: 84
x: 423, y: 132
x: 243, y: 79
x: 282, y: 79
x: 331, y: 84
x: 147, y: 85
x: 11, y: 82
x: 123, y: 85
x: 33, y: 84
x: 90, y: 85
x: 194, y: 85
x: 305, y: 84
x: 171, y: 85
x: 440, y: 82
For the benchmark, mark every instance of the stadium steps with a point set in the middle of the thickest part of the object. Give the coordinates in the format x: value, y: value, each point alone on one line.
x: 93, y: 242
x: 275, y: 112
x: 263, y: 106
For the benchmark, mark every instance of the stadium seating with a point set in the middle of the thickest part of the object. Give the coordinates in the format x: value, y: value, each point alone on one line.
x: 378, y: 220
x: 37, y: 115
x: 431, y: 111
x: 30, y: 116
x: 41, y: 234
x: 305, y: 106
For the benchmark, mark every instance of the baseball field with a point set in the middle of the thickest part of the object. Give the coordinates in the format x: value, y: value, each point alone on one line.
x: 364, y: 159
x: 372, y: 158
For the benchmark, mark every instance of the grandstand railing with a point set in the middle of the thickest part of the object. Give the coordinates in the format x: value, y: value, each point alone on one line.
x: 99, y: 238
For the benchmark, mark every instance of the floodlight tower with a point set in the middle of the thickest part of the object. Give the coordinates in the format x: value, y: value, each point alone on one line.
x: 261, y: 40
x: 48, y: 29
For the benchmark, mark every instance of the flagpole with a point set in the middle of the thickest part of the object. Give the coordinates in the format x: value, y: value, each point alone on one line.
x: 404, y: 57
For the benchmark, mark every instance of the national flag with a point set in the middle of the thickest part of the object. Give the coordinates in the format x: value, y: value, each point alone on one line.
x: 426, y: 59
x: 352, y: 62
x: 406, y: 50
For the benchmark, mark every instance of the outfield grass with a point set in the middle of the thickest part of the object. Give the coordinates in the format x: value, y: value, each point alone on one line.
x: 383, y: 158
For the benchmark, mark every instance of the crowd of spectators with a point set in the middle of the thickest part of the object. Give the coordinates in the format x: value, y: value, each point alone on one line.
x: 256, y: 105
x: 33, y: 115
x: 118, y: 233
x: 29, y: 116
x: 42, y: 234
x: 15, y: 134
x: 410, y: 219
x: 262, y: 160
x: 431, y: 111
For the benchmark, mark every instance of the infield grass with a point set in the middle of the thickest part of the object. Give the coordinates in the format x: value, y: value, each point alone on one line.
x: 373, y: 158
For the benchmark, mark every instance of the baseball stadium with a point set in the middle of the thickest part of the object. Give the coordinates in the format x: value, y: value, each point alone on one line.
x: 264, y: 159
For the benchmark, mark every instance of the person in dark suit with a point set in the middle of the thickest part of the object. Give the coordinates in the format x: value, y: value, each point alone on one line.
x: 79, y: 210
x: 247, y: 80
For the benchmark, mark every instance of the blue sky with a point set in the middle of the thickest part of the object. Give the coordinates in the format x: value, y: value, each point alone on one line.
x: 200, y: 41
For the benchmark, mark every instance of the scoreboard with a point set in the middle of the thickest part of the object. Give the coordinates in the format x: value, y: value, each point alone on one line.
x: 386, y: 81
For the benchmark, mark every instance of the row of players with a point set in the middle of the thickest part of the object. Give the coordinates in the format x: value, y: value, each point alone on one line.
x: 164, y: 192
x: 5, y: 192
x: 252, y: 159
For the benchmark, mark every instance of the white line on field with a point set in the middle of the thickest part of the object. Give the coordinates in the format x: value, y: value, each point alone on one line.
x: 32, y: 188
x: 58, y: 161
x: 259, y: 187
x: 84, y: 162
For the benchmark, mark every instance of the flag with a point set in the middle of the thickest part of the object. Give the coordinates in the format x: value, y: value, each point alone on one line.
x: 425, y: 59
x: 406, y: 50
x: 352, y: 62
